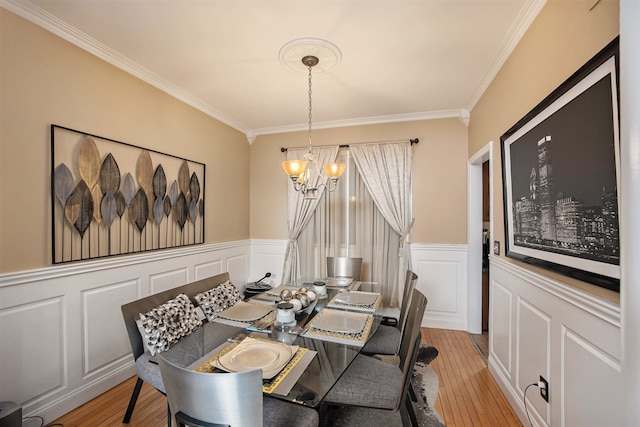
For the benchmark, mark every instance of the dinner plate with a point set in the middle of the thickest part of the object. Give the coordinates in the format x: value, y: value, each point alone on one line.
x: 252, y: 358
x: 251, y: 354
x: 244, y: 312
x: 356, y: 298
x: 340, y: 321
x: 338, y: 282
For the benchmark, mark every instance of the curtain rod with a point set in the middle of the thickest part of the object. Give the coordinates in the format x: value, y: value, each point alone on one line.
x: 411, y: 141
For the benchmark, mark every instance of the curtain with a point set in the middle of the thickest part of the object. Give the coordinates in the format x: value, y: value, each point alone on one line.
x: 386, y: 172
x: 378, y: 243
x: 348, y: 223
x: 300, y: 209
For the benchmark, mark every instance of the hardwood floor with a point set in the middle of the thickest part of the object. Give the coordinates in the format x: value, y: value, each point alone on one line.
x: 468, y: 394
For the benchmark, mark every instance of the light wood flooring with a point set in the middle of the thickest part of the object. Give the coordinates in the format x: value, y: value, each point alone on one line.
x: 468, y: 394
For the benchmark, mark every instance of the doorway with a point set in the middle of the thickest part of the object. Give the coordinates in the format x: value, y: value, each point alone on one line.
x: 482, y: 340
x: 480, y: 232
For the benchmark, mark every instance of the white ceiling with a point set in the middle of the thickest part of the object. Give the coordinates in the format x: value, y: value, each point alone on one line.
x: 401, y: 59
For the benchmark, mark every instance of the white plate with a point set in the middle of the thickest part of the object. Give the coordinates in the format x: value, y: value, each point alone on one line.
x: 340, y: 321
x: 356, y: 298
x: 253, y: 357
x: 245, y: 312
x: 270, y: 356
x: 338, y: 282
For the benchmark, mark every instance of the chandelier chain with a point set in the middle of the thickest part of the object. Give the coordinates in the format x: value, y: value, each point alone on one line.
x: 305, y: 174
x: 310, y: 108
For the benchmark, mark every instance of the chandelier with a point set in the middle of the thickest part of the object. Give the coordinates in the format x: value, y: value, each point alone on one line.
x: 303, y: 172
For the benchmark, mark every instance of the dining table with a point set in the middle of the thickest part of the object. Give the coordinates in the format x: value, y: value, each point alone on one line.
x: 308, y: 356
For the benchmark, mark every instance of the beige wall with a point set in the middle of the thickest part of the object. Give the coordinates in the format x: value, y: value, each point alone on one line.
x: 45, y: 80
x: 564, y: 36
x: 439, y: 176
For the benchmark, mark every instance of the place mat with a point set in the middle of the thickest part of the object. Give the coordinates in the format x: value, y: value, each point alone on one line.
x: 265, y: 298
x: 367, y: 308
x: 358, y: 339
x: 269, y: 317
x: 283, y: 382
x: 243, y: 311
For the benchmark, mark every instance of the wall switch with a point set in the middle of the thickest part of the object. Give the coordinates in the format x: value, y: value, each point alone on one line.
x: 544, y: 391
x: 496, y: 247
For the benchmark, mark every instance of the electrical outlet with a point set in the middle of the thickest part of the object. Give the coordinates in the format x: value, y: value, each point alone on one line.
x: 544, y: 391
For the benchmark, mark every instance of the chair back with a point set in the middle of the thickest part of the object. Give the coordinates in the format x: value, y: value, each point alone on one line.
x: 409, y: 285
x: 410, y: 341
x: 344, y: 267
x: 132, y: 309
x: 233, y: 399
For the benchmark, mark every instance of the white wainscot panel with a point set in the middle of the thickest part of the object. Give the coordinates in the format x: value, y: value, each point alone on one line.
x: 103, y: 329
x: 442, y: 277
x: 269, y: 263
x: 533, y: 354
x: 237, y: 268
x: 591, y: 384
x: 32, y: 350
x: 166, y: 280
x: 208, y: 269
x: 268, y: 256
x: 438, y: 281
x: 501, y: 326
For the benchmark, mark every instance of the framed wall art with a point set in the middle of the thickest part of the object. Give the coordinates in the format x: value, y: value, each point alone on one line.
x: 560, y: 168
x: 112, y: 198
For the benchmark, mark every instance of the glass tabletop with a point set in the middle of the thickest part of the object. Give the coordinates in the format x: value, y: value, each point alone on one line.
x: 326, y: 367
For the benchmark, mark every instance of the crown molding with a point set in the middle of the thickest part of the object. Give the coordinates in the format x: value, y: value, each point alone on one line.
x: 520, y: 26
x: 461, y: 114
x: 44, y: 19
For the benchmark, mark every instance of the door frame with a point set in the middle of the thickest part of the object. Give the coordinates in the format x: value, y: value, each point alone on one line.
x: 474, y: 234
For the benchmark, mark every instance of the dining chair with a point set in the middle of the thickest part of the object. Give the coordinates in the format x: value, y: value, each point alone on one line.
x: 373, y: 383
x: 344, y: 267
x: 200, y: 399
x: 386, y: 339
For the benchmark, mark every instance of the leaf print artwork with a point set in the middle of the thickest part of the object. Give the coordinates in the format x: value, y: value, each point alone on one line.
x: 111, y: 198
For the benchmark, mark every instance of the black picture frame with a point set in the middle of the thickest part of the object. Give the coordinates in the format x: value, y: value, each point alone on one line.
x: 560, y: 166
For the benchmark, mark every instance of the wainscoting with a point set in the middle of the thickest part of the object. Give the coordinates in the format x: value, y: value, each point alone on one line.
x: 61, y: 329
x: 442, y: 277
x: 441, y: 270
x: 570, y: 337
x: 63, y: 340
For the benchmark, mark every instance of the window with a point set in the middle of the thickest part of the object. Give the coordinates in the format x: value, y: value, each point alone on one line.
x: 348, y: 223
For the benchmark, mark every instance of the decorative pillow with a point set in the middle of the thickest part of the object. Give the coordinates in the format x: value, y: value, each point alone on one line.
x: 218, y: 299
x: 165, y: 324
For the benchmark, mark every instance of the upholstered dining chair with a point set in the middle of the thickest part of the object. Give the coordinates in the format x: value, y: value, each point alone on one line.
x: 386, y: 339
x: 373, y: 383
x: 344, y: 267
x: 227, y: 399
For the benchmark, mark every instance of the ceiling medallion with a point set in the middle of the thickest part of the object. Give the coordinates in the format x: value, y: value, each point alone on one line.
x: 328, y: 54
